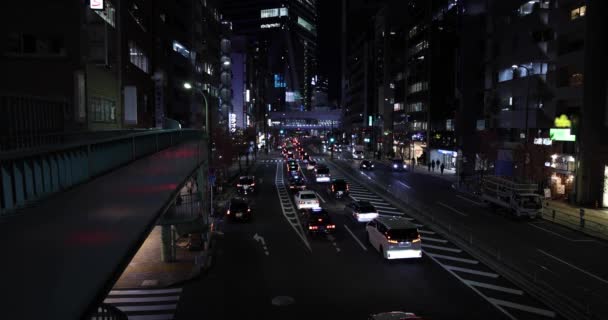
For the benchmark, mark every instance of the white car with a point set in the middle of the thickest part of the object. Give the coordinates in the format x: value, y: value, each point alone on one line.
x: 358, y: 154
x: 311, y: 165
x: 394, y: 237
x: 306, y: 200
x: 362, y: 211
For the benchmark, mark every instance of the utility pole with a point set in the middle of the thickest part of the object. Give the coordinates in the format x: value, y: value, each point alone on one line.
x: 526, y: 156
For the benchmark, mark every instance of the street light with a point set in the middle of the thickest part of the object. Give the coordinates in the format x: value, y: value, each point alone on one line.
x: 528, y: 75
x: 187, y: 85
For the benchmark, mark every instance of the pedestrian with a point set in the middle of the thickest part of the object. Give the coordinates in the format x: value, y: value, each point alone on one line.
x: 442, y: 167
x: 429, y: 164
x: 433, y: 165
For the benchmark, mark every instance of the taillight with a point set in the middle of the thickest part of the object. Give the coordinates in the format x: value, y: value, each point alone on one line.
x: 393, y: 241
x: 347, y: 187
x: 331, y: 226
x: 332, y: 188
x: 239, y: 185
x: 416, y: 240
x: 313, y: 227
x: 248, y: 209
x: 302, y: 202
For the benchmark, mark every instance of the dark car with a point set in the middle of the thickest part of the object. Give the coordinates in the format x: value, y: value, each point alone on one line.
x: 317, y: 221
x: 366, y: 165
x: 246, y: 185
x: 239, y: 209
x: 338, y: 188
x: 297, y: 184
x: 398, y: 165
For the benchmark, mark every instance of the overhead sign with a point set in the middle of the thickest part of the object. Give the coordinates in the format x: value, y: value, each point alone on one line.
x: 96, y: 4
x: 561, y: 134
x: 563, y: 122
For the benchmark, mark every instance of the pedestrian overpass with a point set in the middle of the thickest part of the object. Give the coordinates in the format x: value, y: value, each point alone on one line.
x: 304, y: 120
x: 73, y: 216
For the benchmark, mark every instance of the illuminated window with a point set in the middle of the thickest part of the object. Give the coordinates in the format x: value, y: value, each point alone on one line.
x: 275, y: 12
x: 415, y: 107
x: 179, y: 48
x: 576, y: 80
x: 398, y: 107
x: 102, y: 109
x: 270, y: 25
x: 306, y: 25
x: 578, y: 12
x: 417, y: 87
x: 138, y: 58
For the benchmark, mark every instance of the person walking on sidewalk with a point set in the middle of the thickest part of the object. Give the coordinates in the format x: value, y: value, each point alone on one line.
x: 429, y: 164
x: 442, y: 167
x: 433, y: 165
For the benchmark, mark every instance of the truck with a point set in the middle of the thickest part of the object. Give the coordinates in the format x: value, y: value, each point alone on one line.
x: 520, y: 199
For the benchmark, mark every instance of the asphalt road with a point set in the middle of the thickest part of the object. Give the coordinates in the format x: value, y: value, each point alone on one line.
x: 339, y: 277
x: 568, y: 261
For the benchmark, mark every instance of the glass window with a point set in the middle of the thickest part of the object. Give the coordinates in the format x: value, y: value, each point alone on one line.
x: 505, y: 75
x: 269, y: 13
x: 103, y: 109
x: 179, y: 48
x: 306, y: 25
x: 578, y: 12
x: 137, y: 57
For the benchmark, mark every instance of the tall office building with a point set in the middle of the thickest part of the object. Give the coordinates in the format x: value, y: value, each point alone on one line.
x: 284, y: 36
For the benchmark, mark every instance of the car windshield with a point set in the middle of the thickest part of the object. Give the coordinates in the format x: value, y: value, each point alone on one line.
x: 322, y: 171
x: 308, y: 196
x: 531, y: 202
x: 316, y: 216
x: 340, y: 184
x: 408, y: 234
x: 397, y: 161
x: 238, y: 205
x: 246, y: 181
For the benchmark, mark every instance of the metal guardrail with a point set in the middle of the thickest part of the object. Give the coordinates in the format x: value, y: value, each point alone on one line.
x: 579, y: 223
x: 31, y: 175
x: 581, y: 300
x: 108, y: 312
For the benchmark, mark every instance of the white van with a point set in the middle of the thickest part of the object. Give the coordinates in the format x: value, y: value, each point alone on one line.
x: 394, y: 237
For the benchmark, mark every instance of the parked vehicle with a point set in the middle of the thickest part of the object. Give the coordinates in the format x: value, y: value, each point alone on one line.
x: 519, y: 199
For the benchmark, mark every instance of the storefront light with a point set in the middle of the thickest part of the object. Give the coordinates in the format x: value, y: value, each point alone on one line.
x: 570, y: 159
x: 553, y: 157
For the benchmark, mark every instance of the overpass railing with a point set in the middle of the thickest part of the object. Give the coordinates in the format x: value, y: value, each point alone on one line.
x: 29, y: 176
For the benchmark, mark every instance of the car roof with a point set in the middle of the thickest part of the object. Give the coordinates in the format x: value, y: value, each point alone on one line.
x: 393, y: 222
x: 307, y: 192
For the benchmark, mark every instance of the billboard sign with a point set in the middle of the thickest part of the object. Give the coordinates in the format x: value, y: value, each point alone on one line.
x: 561, y: 134
x: 96, y: 4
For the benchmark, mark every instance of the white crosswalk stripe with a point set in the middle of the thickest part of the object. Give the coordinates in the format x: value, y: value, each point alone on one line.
x: 145, y: 304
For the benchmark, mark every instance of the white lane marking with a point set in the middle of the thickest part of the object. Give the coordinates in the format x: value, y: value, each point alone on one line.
x: 363, y: 195
x: 559, y: 235
x: 434, y: 240
x: 441, y: 248
x: 297, y: 227
x: 395, y: 213
x: 471, y: 271
x: 403, y: 184
x: 152, y: 317
x: 469, y: 200
x: 435, y: 255
x: 426, y: 232
x: 454, y: 210
x: 382, y: 206
x: 574, y: 267
x: 355, y: 237
x: 494, y: 287
x: 142, y: 292
x: 141, y: 299
x: 542, y: 312
x: 260, y: 239
x: 497, y: 306
x: 318, y: 195
x: 147, y: 307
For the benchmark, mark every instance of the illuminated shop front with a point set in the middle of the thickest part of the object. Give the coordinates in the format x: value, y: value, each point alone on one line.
x: 447, y: 157
x: 561, y: 180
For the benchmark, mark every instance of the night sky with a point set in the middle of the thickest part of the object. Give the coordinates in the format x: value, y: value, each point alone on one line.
x: 329, y: 44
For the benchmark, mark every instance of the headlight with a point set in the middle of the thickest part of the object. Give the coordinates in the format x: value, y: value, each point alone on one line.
x: 372, y: 165
x: 404, y: 166
x: 394, y: 166
x: 364, y: 166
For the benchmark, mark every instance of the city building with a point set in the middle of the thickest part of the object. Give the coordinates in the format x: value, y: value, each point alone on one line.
x: 285, y: 35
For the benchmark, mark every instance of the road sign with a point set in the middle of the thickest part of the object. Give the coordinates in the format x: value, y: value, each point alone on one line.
x: 212, y: 180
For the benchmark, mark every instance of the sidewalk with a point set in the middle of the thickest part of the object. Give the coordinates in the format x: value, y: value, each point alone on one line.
x: 593, y: 222
x: 449, y: 175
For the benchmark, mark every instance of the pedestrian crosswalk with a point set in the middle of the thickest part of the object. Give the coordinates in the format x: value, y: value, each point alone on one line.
x: 145, y: 304
x: 501, y: 293
x: 318, y: 160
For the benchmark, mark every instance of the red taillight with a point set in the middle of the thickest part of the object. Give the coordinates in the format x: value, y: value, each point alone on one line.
x: 313, y: 227
x: 332, y: 188
x: 331, y: 226
x: 347, y: 187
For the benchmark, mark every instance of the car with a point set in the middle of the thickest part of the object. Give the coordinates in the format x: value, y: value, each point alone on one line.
x: 306, y: 199
x: 293, y: 167
x: 297, y: 184
x: 394, y: 315
x: 362, y: 211
x: 398, y: 164
x: 311, y: 165
x: 366, y: 165
x: 246, y: 185
x: 322, y: 174
x: 394, y: 237
x: 338, y: 188
x: 305, y: 157
x: 290, y: 155
x: 319, y: 166
x: 358, y: 154
x: 238, y: 209
x: 317, y: 221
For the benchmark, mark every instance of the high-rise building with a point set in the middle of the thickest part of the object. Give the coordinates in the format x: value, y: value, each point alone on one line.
x: 284, y: 33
